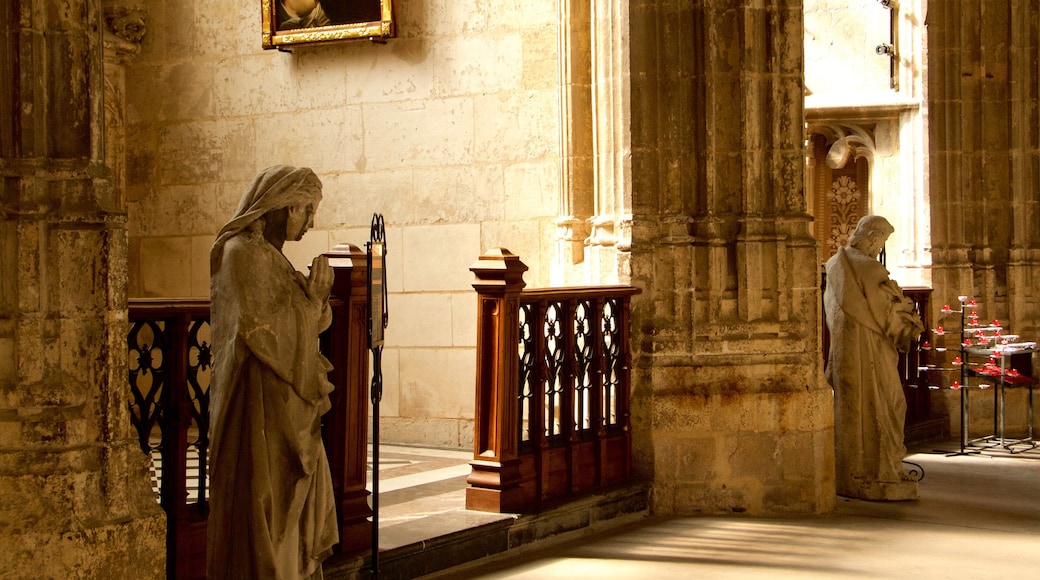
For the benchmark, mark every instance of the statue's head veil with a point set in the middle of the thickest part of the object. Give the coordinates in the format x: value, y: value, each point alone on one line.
x: 273, y: 188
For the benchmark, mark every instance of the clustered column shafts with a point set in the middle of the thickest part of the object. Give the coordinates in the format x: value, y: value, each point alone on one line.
x: 726, y: 334
x: 982, y: 90
x: 73, y: 482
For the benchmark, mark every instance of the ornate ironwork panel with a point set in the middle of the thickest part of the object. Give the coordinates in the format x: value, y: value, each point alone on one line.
x: 200, y: 366
x: 147, y: 374
x: 169, y: 406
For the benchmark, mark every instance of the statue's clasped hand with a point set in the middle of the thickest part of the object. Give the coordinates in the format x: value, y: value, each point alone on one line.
x: 319, y: 280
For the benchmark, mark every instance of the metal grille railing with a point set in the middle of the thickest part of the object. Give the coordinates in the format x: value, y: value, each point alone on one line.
x: 169, y: 360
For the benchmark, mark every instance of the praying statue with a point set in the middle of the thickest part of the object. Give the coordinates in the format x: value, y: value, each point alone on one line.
x: 272, y: 509
x: 870, y: 321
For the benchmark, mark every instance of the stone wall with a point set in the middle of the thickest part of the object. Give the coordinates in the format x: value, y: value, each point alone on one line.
x: 452, y: 131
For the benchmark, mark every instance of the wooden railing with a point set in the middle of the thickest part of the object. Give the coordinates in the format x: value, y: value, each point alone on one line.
x: 918, y: 401
x: 552, y: 398
x: 552, y: 389
x: 169, y: 364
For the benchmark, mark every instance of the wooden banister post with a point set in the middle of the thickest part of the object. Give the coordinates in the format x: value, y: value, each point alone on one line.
x: 346, y: 424
x: 495, y: 479
x: 174, y: 493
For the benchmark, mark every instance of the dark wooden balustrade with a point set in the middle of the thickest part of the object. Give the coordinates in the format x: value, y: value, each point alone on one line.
x: 552, y: 391
x: 169, y: 364
x: 919, y: 415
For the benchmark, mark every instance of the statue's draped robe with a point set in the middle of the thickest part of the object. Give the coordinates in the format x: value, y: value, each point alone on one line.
x: 869, y: 321
x: 273, y: 511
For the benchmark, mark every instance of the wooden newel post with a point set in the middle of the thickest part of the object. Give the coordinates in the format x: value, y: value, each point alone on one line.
x: 346, y: 433
x: 495, y: 479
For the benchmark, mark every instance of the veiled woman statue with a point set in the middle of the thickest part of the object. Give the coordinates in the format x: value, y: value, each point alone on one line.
x: 272, y: 511
x: 870, y: 321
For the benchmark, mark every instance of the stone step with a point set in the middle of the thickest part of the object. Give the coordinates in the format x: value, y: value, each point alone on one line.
x: 452, y: 541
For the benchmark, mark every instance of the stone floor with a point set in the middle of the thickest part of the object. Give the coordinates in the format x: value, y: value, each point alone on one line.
x: 424, y: 526
x: 978, y: 517
x: 422, y: 495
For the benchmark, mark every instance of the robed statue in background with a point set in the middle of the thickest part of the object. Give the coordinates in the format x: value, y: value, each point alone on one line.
x: 272, y: 510
x: 870, y: 321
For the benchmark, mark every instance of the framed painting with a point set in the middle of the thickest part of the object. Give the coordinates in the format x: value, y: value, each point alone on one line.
x: 287, y: 23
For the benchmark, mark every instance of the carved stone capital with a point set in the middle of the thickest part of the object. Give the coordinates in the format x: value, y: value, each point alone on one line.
x: 124, y: 26
x: 125, y: 19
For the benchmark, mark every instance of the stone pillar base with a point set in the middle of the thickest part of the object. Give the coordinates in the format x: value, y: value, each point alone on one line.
x: 132, y: 549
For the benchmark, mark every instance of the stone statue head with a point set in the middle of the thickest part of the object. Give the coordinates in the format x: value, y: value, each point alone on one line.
x: 281, y: 201
x: 870, y: 235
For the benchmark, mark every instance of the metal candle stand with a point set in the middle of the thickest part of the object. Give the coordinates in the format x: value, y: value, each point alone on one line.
x: 378, y: 318
x: 977, y: 340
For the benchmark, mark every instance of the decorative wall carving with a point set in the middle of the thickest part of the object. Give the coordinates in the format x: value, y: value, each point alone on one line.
x: 125, y: 20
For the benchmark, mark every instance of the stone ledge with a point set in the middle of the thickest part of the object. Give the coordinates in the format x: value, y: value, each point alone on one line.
x: 460, y: 540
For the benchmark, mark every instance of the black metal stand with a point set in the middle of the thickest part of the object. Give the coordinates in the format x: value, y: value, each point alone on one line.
x: 376, y: 395
x: 378, y: 318
x: 962, y: 385
x: 969, y: 446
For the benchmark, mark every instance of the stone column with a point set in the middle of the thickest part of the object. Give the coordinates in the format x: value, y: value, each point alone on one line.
x: 730, y: 412
x: 75, y: 496
x: 984, y: 157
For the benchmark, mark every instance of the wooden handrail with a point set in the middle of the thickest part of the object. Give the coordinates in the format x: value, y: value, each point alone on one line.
x: 169, y: 362
x: 577, y: 292
x: 552, y: 389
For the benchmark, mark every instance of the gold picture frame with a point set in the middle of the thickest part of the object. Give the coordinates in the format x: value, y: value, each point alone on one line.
x: 288, y: 23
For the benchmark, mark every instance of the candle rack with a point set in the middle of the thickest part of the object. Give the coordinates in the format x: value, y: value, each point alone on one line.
x: 1008, y: 364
